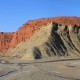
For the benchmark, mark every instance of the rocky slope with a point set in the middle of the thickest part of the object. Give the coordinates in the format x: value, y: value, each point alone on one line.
x: 5, y: 39
x: 29, y: 28
x: 49, y: 41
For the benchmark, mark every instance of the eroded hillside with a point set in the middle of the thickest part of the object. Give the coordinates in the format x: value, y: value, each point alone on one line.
x: 49, y: 41
x: 9, y: 40
x: 5, y: 39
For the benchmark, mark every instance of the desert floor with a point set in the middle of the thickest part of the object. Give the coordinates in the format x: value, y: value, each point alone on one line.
x: 40, y: 70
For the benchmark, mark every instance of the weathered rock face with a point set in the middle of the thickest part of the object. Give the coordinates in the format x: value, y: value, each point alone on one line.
x: 23, y: 33
x: 5, y: 39
x: 51, y: 40
x: 28, y: 29
x: 61, y: 42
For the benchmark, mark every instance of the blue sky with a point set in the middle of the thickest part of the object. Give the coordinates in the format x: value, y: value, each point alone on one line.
x: 13, y: 13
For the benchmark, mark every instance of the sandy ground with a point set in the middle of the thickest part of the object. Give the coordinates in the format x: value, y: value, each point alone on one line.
x: 41, y: 70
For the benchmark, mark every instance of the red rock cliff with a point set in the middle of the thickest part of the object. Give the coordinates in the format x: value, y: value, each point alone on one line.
x: 5, y: 39
x: 28, y: 29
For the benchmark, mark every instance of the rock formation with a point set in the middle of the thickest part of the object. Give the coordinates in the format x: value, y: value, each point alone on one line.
x: 61, y: 42
x: 5, y: 39
x: 9, y: 40
x: 51, y: 40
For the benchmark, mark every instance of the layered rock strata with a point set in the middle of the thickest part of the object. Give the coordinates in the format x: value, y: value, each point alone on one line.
x: 9, y: 40
x: 51, y: 40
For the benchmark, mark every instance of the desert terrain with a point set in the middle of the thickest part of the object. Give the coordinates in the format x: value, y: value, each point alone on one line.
x: 42, y: 49
x: 41, y: 70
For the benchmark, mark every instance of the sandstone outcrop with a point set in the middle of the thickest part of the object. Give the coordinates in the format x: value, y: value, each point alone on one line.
x: 5, y: 39
x: 28, y: 29
x: 9, y: 40
x: 51, y: 40
x: 61, y: 42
